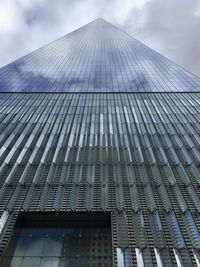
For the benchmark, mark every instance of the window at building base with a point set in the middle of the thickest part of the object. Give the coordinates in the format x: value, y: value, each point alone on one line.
x: 58, y: 239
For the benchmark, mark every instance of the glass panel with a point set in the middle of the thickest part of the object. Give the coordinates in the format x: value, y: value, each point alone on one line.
x: 74, y: 243
x: 31, y: 262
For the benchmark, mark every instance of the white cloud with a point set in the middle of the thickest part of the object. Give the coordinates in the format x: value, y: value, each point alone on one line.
x: 171, y: 27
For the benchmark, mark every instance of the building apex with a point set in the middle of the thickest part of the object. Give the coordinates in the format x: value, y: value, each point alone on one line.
x: 98, y: 57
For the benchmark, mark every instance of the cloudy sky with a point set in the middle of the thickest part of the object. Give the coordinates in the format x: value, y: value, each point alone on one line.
x: 171, y: 27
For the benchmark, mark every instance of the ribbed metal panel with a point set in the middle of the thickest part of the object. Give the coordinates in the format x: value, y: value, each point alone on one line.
x: 134, y: 155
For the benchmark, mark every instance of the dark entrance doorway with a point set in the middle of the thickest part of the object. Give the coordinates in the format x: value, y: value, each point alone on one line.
x: 58, y: 240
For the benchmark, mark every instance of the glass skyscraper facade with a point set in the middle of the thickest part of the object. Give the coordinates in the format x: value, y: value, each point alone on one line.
x: 98, y: 57
x: 99, y: 155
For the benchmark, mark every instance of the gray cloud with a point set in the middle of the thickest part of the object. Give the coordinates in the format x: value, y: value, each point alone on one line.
x: 170, y: 27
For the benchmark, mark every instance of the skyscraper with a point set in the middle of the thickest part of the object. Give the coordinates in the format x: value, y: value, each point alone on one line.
x: 99, y: 154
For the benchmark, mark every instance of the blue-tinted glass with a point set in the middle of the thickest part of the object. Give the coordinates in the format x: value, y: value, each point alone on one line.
x: 58, y: 247
x: 98, y: 57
